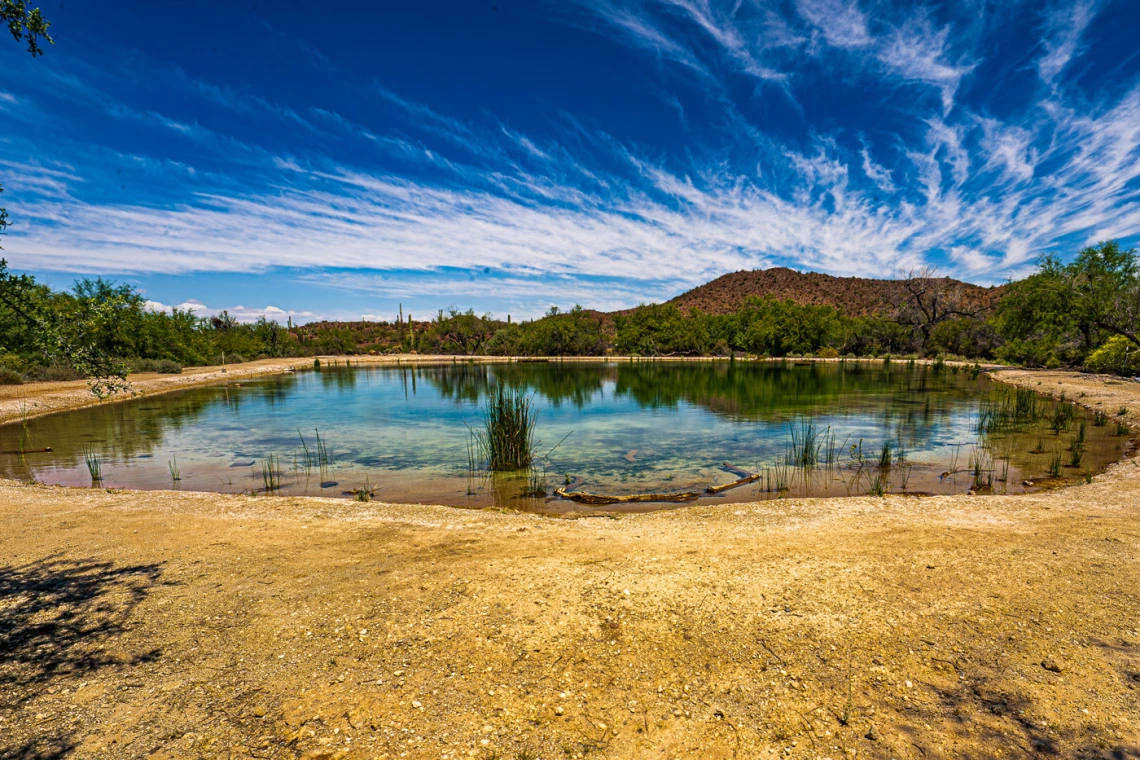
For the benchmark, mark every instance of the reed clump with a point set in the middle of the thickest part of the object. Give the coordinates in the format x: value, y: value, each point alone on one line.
x: 94, y: 466
x: 1055, y: 465
x: 878, y: 485
x: 506, y: 442
x: 271, y: 472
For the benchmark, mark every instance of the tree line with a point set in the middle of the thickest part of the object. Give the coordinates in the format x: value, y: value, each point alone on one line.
x: 1085, y: 313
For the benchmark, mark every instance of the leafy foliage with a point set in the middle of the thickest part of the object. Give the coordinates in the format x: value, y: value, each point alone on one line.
x: 27, y: 24
x: 1065, y: 312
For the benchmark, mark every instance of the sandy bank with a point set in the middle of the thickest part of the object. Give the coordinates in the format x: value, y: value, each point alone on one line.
x: 187, y: 624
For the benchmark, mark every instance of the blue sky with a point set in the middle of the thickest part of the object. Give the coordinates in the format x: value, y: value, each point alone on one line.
x: 336, y: 161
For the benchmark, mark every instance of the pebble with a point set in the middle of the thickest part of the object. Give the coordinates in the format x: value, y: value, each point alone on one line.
x: 1051, y: 665
x: 416, y: 704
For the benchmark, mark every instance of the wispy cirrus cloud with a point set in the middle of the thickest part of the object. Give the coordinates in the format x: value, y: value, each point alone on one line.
x: 1063, y: 27
x: 420, y: 203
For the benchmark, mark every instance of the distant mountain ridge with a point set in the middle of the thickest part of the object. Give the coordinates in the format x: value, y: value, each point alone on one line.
x: 854, y: 296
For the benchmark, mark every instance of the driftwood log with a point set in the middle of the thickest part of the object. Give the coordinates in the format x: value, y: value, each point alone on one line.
x: 584, y: 497
x: 30, y: 451
x: 745, y: 478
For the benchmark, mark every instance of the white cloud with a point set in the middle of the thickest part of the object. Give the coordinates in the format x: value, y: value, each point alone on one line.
x: 842, y: 24
x: 242, y: 314
x: 877, y: 173
x: 916, y: 52
x: 1064, y: 26
x: 980, y: 194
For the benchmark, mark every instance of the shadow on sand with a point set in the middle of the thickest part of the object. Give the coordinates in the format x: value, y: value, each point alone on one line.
x: 56, y: 618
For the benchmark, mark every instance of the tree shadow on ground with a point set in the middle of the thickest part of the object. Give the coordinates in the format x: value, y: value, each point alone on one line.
x: 1005, y: 727
x: 56, y: 616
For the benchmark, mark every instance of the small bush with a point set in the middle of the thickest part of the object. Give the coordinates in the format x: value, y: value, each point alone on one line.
x: 161, y: 366
x: 10, y: 377
x: 13, y: 362
x: 1116, y: 356
x: 52, y: 373
x: 827, y: 352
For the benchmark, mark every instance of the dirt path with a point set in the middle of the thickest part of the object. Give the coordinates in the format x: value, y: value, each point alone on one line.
x: 179, y: 625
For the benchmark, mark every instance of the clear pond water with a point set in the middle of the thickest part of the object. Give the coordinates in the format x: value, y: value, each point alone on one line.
x: 401, y: 433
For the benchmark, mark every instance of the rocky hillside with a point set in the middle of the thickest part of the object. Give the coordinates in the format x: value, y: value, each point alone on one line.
x: 855, y: 296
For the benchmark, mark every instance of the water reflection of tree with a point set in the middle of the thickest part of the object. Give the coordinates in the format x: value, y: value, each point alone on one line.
x: 556, y: 382
x: 121, y: 432
x: 747, y: 390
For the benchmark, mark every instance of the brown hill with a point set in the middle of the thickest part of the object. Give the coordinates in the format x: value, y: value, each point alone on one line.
x: 854, y: 296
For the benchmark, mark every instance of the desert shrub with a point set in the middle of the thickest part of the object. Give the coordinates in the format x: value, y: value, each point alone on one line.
x: 1118, y: 355
x: 161, y: 366
x: 13, y: 362
x: 58, y: 372
x: 10, y: 377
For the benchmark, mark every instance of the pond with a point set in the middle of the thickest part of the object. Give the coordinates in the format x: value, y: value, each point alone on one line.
x: 402, y: 434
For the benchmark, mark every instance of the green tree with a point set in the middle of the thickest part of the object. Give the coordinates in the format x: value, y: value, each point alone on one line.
x: 1064, y: 312
x: 27, y: 24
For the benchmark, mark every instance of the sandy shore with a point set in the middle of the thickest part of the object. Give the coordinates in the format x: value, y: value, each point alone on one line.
x: 176, y: 625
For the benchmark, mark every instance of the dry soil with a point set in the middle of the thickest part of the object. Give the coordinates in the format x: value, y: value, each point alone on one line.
x: 165, y: 624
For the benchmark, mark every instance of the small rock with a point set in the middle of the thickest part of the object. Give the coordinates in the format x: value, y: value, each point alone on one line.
x: 1051, y: 665
x: 558, y: 711
x: 259, y: 712
x: 871, y: 735
x: 416, y: 704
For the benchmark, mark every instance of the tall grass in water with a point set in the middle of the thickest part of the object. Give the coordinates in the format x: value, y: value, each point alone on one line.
x: 175, y: 473
x: 885, y: 456
x: 506, y: 442
x: 776, y: 478
x: 94, y: 466
x: 1055, y: 465
x: 319, y: 457
x: 1023, y: 407
x: 25, y: 438
x: 806, y: 443
x: 878, y: 485
x: 271, y: 472
x: 981, y: 469
x: 906, y: 468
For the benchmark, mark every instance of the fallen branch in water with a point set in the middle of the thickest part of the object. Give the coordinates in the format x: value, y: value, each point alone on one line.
x: 745, y: 478
x: 583, y: 497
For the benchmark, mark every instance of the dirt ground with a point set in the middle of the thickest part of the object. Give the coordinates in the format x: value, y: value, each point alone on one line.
x: 175, y: 625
